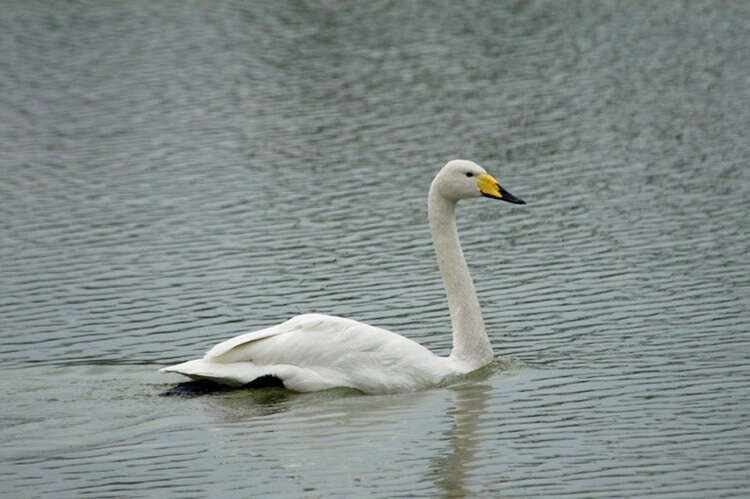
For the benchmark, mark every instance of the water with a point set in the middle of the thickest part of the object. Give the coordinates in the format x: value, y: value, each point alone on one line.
x: 176, y: 174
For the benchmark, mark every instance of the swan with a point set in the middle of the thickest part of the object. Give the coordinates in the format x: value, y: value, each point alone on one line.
x: 312, y: 352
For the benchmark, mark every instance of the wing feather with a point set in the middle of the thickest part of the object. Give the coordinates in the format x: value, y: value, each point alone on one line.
x: 314, y: 351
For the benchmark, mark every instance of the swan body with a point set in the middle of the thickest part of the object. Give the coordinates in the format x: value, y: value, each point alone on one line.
x: 314, y: 352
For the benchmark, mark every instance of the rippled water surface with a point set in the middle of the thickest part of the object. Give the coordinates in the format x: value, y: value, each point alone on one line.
x: 174, y: 174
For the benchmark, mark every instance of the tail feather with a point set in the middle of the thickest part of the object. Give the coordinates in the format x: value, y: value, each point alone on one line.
x: 232, y: 374
x: 240, y: 374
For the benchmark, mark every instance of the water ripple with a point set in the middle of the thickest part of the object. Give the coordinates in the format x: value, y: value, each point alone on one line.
x: 173, y: 177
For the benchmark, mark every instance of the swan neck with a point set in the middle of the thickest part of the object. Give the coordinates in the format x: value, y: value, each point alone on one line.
x: 471, y: 346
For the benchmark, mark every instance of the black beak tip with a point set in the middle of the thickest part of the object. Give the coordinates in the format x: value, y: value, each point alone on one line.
x: 507, y: 196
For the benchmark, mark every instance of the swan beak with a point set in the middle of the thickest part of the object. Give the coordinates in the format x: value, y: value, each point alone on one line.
x: 489, y: 187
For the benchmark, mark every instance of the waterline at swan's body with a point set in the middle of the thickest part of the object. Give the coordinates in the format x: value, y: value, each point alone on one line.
x: 315, y: 352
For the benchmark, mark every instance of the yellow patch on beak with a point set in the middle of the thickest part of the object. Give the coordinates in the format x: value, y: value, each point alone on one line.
x: 488, y: 186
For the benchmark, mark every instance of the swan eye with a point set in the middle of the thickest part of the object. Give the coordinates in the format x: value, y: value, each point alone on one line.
x: 469, y: 174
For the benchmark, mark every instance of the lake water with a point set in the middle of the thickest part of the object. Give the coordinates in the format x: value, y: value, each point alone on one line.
x: 174, y: 174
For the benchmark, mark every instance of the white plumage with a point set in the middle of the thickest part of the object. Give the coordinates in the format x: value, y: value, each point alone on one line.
x: 313, y: 352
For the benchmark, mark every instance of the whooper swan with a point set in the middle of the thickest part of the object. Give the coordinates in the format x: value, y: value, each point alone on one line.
x: 313, y: 352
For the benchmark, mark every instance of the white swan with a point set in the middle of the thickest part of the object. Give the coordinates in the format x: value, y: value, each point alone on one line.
x: 315, y: 352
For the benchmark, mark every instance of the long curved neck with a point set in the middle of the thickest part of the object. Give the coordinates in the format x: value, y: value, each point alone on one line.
x: 470, y: 343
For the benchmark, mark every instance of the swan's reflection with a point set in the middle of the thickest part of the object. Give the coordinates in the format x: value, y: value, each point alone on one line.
x: 449, y: 472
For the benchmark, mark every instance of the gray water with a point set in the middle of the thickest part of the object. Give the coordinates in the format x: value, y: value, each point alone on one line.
x: 176, y: 173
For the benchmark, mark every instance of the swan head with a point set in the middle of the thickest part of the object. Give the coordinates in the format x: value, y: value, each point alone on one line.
x: 462, y: 179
